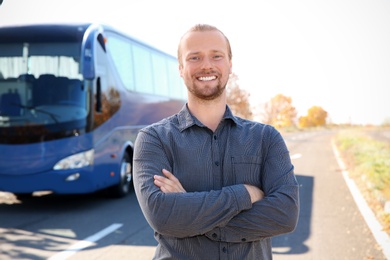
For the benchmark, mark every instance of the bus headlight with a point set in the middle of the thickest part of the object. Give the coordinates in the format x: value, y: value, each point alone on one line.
x: 75, y: 161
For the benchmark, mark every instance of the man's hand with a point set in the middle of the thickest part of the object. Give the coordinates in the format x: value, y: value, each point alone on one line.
x: 255, y: 193
x: 169, y: 183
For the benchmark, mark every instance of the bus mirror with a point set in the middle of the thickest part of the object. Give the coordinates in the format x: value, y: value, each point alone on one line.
x: 101, y: 41
x: 98, y: 96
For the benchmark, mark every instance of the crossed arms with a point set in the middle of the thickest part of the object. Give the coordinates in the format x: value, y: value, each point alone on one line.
x: 238, y: 212
x: 170, y: 184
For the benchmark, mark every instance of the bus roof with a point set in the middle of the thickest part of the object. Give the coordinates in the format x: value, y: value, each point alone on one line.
x: 61, y: 32
x: 43, y: 33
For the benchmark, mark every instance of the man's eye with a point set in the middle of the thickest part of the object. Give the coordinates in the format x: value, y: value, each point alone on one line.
x: 217, y: 57
x: 194, y: 58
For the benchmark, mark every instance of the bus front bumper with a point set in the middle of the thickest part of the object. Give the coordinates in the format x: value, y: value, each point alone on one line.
x: 61, y: 182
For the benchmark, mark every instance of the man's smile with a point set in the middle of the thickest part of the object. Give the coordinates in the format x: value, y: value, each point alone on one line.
x: 209, y: 78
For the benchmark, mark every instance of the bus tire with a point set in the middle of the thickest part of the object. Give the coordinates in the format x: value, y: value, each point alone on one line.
x: 126, y: 179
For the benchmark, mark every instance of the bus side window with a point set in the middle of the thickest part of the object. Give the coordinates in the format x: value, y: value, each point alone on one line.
x: 98, y: 107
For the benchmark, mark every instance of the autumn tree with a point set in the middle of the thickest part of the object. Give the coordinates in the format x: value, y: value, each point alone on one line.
x: 238, y: 99
x: 280, y: 112
x: 316, y: 116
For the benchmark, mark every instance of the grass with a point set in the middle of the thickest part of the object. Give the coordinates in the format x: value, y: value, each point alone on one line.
x: 368, y: 162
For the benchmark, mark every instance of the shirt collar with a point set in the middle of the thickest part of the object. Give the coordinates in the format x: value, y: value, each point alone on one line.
x: 186, y: 119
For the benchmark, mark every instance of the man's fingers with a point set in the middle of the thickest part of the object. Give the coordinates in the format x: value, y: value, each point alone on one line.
x: 162, y: 181
x: 169, y: 183
x: 169, y: 175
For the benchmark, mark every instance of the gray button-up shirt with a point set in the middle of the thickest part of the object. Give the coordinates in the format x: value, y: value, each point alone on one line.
x: 215, y: 219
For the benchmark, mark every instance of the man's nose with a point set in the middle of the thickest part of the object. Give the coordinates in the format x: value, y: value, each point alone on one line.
x: 207, y: 63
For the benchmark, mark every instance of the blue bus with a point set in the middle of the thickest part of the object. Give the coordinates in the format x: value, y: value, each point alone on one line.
x: 72, y: 100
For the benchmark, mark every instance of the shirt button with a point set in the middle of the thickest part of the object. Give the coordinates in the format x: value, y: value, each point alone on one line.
x: 224, y: 249
x: 216, y: 163
x: 215, y: 137
x: 243, y: 239
x: 214, y: 235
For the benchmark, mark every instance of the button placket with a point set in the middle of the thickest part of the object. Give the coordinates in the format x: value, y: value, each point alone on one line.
x: 223, y: 248
x: 217, y: 180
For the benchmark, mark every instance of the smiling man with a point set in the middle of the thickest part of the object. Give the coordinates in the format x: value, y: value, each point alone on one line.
x: 212, y: 185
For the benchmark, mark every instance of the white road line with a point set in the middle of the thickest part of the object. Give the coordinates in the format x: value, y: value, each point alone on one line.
x: 295, y: 156
x: 86, y: 242
x: 380, y: 236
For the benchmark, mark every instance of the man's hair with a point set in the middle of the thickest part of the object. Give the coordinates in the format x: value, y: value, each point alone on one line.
x: 203, y: 28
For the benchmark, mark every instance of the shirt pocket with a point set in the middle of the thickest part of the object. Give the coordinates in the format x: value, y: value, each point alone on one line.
x: 247, y: 169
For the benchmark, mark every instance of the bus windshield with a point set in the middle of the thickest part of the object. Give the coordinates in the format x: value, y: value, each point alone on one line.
x: 42, y: 93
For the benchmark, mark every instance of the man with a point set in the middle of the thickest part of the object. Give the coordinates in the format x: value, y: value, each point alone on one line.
x: 212, y: 185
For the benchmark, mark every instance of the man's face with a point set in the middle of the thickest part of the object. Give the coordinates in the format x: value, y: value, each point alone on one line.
x: 205, y: 64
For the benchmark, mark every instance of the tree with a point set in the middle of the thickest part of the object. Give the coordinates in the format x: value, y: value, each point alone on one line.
x: 237, y: 98
x: 316, y: 116
x: 280, y: 112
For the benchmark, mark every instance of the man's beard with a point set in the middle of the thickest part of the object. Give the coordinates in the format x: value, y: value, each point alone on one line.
x: 207, y: 92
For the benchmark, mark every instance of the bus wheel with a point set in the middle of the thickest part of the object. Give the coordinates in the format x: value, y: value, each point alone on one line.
x: 126, y: 179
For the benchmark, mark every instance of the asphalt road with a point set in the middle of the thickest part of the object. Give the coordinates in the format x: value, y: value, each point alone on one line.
x: 94, y: 227
x: 330, y: 225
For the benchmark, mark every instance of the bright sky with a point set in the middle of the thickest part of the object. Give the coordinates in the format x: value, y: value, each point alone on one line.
x: 334, y: 53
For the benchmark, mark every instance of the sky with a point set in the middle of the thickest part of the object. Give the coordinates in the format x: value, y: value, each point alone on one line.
x: 329, y: 53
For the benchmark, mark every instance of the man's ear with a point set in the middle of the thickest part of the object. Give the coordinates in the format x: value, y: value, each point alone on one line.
x: 181, y: 70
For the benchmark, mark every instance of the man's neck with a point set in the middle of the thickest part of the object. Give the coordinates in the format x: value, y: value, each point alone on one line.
x: 209, y: 112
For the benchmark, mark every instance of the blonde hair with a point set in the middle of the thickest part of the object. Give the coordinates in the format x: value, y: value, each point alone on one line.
x: 203, y: 28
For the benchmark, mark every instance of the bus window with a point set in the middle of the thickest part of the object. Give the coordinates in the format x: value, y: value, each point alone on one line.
x: 143, y: 70
x: 161, y: 75
x: 122, y: 56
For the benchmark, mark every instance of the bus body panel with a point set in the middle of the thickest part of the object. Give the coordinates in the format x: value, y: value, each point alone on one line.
x: 54, y: 181
x: 35, y: 167
x: 39, y: 157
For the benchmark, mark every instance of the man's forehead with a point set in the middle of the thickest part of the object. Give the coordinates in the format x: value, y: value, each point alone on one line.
x: 211, y: 40
x: 203, y: 34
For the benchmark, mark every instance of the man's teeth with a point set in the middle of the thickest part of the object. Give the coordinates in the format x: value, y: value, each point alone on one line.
x: 207, y: 78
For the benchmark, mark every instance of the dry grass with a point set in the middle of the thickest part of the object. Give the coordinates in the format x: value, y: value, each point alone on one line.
x: 368, y: 163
